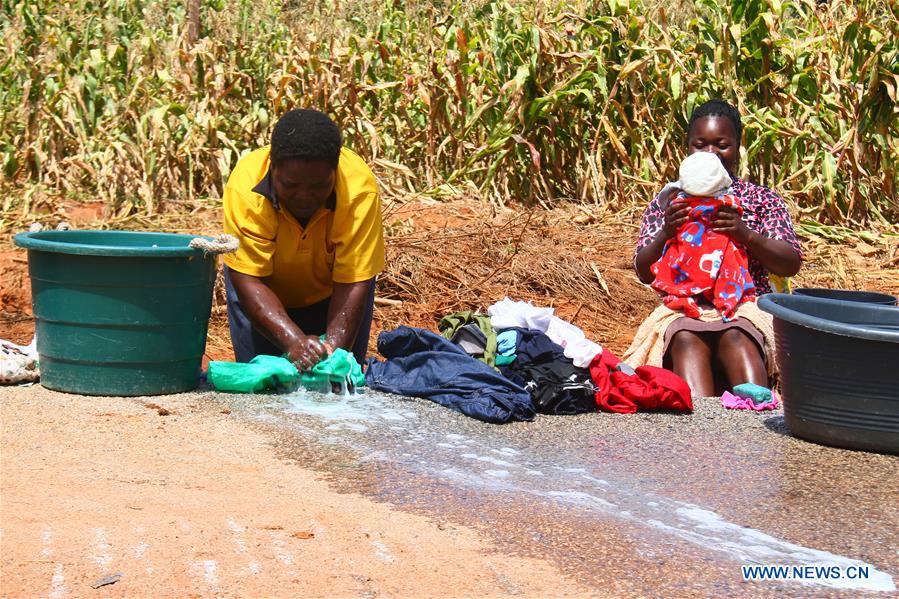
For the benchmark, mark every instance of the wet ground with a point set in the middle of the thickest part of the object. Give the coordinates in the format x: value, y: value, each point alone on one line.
x: 648, y: 504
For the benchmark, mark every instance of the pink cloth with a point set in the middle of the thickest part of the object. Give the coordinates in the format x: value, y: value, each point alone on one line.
x: 732, y: 402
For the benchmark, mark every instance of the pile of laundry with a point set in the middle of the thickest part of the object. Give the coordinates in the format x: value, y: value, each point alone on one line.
x: 514, y: 362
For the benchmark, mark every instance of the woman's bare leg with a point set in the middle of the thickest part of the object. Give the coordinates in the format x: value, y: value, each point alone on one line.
x: 691, y: 359
x: 740, y: 358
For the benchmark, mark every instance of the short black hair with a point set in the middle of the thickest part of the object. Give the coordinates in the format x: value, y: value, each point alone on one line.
x: 720, y: 108
x: 306, y: 135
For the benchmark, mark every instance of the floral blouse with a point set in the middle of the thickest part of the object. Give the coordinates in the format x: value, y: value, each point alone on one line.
x: 764, y: 212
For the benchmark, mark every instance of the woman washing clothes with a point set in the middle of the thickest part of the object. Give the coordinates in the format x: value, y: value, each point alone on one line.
x: 307, y: 214
x: 715, y: 345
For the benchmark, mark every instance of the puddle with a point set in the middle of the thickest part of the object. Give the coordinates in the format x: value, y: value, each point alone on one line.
x: 421, y: 442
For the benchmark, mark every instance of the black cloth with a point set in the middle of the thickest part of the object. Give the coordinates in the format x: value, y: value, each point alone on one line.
x: 556, y: 385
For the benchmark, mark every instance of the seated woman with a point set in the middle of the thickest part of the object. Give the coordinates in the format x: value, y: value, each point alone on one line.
x: 738, y: 349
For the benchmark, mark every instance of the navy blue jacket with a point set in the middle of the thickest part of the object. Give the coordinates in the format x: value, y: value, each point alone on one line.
x: 423, y: 364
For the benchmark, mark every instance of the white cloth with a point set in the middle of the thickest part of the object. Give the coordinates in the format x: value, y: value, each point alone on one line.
x: 702, y: 174
x: 670, y: 189
x: 18, y: 363
x: 507, y: 313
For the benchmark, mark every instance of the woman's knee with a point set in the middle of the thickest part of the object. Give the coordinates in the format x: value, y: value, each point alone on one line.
x: 740, y: 357
x: 688, y: 343
x: 735, y: 340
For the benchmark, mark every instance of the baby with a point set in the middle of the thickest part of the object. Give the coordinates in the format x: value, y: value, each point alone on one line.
x: 699, y: 263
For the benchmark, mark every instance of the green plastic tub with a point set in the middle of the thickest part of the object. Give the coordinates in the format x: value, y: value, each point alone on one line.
x: 119, y: 312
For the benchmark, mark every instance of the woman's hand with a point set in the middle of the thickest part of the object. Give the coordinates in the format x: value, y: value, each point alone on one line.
x: 727, y: 220
x: 307, y: 351
x: 776, y: 255
x: 676, y: 214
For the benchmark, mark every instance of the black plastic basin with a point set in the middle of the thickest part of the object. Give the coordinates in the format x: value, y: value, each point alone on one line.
x: 870, y: 297
x: 839, y: 364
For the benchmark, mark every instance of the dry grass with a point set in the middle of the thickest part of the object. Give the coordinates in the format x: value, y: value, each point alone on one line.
x: 864, y: 265
x: 464, y: 255
x: 477, y: 257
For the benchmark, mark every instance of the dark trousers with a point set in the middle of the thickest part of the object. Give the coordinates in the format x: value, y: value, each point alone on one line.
x: 312, y: 320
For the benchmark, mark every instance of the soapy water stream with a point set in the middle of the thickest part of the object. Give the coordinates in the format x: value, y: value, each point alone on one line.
x: 386, y: 429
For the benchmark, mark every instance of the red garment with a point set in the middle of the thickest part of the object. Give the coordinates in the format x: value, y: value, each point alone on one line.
x: 699, y: 261
x: 649, y: 388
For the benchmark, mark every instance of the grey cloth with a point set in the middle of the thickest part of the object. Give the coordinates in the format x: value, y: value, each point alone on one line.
x: 472, y: 339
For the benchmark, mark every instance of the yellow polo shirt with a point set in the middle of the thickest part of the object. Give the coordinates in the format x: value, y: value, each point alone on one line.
x: 342, y: 243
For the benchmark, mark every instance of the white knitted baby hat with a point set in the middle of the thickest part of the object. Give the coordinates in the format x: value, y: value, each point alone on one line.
x: 702, y: 174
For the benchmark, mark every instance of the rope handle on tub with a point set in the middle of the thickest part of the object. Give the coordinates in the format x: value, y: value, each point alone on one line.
x: 221, y: 244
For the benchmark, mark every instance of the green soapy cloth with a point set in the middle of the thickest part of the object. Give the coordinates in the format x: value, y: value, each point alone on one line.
x: 340, y: 366
x: 265, y: 373
x: 262, y: 373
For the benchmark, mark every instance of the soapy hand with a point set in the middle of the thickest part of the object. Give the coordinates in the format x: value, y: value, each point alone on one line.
x: 307, y: 351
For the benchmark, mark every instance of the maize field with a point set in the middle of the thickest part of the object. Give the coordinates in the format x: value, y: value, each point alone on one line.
x: 508, y: 101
